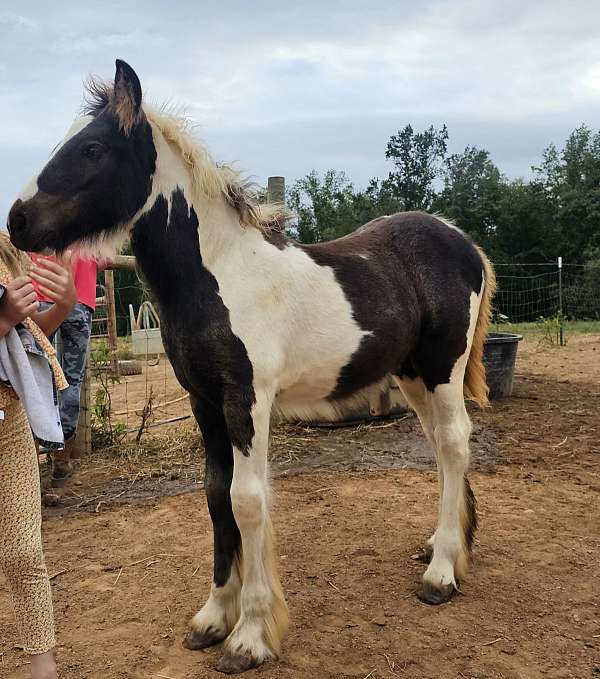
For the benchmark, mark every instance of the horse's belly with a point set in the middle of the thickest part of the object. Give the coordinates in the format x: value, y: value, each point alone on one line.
x: 310, y: 389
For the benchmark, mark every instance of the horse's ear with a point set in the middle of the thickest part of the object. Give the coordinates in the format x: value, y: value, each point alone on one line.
x: 127, y: 100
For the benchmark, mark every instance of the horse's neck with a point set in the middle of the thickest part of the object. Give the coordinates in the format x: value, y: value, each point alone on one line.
x: 179, y: 237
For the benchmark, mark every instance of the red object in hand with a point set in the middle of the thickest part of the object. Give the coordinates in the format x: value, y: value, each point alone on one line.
x: 84, y: 277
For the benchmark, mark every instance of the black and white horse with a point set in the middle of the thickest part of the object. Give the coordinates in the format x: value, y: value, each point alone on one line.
x: 251, y: 319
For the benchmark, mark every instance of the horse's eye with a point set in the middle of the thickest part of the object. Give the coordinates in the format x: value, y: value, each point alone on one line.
x: 93, y: 151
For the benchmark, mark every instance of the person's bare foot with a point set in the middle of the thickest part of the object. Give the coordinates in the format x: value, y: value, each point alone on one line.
x: 43, y: 666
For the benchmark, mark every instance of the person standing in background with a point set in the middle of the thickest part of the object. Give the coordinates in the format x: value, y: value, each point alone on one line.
x: 74, y: 333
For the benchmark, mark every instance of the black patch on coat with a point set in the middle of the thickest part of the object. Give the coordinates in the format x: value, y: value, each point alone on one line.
x: 277, y: 237
x: 408, y: 278
x: 95, y: 182
x: 208, y: 359
x: 217, y: 482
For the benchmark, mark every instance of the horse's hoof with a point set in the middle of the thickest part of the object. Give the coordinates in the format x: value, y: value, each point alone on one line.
x: 235, y: 663
x: 194, y: 640
x: 435, y: 596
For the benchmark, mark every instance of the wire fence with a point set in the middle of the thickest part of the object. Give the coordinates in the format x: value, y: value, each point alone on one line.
x: 533, y: 292
x: 131, y: 404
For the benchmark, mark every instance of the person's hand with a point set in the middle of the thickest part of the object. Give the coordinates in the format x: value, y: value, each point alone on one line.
x: 55, y: 280
x: 18, y: 302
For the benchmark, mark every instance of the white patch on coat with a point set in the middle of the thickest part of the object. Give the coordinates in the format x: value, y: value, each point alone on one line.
x: 291, y: 314
x: 105, y: 245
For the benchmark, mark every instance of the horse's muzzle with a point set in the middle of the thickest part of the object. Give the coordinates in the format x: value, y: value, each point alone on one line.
x: 24, y: 234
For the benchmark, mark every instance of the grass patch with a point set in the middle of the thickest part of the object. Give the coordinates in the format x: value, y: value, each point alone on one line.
x: 539, y: 328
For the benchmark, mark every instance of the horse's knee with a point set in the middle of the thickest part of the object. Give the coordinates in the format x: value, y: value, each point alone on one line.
x: 452, y: 439
x: 248, y: 501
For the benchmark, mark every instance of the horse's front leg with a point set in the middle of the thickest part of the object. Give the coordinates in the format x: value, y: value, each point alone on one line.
x: 264, y: 615
x: 215, y: 620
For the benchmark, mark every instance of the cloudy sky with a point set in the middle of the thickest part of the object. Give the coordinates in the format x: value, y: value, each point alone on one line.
x: 284, y: 88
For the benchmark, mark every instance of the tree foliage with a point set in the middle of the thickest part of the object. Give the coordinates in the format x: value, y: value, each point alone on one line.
x: 418, y: 159
x: 555, y: 212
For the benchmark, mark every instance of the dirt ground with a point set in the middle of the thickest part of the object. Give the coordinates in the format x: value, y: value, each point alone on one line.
x: 130, y: 548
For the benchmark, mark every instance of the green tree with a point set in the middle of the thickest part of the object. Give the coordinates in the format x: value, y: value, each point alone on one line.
x: 418, y: 159
x: 525, y: 229
x: 471, y: 193
x: 571, y: 178
x: 323, y: 205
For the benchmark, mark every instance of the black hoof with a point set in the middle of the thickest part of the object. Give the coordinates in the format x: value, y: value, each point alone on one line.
x: 235, y: 663
x: 434, y: 595
x: 194, y: 641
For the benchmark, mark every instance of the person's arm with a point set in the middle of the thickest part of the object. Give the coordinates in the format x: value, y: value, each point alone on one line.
x: 55, y: 281
x: 18, y: 301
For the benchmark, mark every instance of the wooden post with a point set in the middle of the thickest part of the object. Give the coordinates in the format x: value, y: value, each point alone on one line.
x: 276, y: 190
x: 83, y: 440
x: 109, y: 285
x: 123, y: 262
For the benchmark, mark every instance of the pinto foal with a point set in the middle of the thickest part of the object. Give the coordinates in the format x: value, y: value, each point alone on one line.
x: 252, y: 320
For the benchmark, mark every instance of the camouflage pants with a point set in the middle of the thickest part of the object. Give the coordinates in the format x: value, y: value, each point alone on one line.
x: 72, y: 337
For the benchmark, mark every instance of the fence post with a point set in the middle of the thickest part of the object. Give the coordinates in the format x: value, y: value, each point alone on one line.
x: 109, y: 285
x: 83, y: 440
x: 560, y: 304
x: 276, y: 190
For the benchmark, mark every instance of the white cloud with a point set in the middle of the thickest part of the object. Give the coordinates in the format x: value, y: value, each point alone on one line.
x: 285, y: 88
x: 18, y: 21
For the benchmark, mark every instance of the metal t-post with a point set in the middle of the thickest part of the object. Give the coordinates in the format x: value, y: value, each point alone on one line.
x: 560, y: 304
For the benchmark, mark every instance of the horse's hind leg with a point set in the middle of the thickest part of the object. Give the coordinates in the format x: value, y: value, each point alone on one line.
x: 215, y: 620
x: 419, y: 399
x: 457, y: 519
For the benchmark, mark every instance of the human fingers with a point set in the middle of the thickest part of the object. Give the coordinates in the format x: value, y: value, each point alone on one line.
x: 50, y: 292
x: 23, y: 291
x: 53, y: 273
x: 48, y: 280
x: 30, y: 309
x: 19, y: 282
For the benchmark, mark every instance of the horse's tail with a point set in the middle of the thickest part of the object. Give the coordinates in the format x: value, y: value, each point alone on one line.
x: 475, y: 385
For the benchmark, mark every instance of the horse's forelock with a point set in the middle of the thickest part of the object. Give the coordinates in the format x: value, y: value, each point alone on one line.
x: 98, y: 94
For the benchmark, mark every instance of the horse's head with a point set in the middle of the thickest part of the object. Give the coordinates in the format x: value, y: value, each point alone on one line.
x: 97, y: 178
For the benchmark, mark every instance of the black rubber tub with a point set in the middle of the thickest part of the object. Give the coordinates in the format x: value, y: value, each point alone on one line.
x: 499, y: 356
